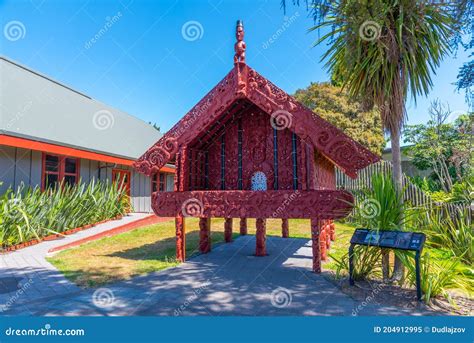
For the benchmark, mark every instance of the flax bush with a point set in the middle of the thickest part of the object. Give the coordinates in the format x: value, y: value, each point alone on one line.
x: 449, y: 231
x: 438, y: 276
x: 29, y: 213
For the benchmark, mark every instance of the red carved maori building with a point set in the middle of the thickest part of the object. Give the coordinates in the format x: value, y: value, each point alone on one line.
x: 249, y: 150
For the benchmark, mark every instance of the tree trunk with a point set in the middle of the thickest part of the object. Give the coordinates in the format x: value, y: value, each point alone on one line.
x: 439, y: 175
x: 398, y: 268
x: 386, y: 265
x: 396, y: 160
x: 449, y: 182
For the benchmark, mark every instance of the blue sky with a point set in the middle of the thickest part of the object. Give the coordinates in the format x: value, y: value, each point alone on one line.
x: 143, y: 64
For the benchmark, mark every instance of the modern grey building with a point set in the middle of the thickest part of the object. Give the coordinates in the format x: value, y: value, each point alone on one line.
x: 50, y: 132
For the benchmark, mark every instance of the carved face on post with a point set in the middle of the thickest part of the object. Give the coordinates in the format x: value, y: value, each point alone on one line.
x: 239, y: 33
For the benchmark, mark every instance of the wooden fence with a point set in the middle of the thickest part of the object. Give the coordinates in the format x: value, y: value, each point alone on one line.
x: 413, y: 193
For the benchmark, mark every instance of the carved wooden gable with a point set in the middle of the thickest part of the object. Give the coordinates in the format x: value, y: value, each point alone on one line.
x: 242, y: 82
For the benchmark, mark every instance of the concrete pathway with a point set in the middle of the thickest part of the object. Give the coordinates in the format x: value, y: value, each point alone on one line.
x: 227, y: 281
x: 35, y: 277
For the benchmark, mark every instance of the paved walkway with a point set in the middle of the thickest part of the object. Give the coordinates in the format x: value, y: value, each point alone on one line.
x: 227, y: 281
x: 37, y: 278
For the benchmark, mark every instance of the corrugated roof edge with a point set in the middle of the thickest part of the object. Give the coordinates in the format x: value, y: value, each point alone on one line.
x: 19, y: 65
x: 16, y: 64
x: 98, y: 103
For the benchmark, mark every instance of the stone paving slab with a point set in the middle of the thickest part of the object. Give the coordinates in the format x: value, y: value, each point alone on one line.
x: 38, y: 278
x: 227, y: 281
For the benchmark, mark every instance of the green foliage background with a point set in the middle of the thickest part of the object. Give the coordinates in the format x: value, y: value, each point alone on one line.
x: 334, y: 105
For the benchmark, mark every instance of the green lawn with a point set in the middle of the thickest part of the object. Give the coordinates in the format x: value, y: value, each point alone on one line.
x: 152, y: 248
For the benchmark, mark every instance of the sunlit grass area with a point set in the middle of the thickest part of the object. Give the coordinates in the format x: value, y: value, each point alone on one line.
x: 152, y: 248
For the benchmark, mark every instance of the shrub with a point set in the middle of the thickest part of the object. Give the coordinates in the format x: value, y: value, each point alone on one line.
x: 30, y: 213
x: 437, y: 276
x: 380, y: 207
x: 366, y: 263
x: 451, y: 231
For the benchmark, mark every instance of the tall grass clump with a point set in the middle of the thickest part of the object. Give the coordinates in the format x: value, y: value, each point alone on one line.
x: 449, y: 231
x: 29, y: 213
x: 446, y: 261
x: 378, y: 207
x: 438, y: 276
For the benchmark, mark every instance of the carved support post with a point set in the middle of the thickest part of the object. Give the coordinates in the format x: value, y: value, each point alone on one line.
x: 322, y: 240
x: 204, y: 235
x: 243, y: 226
x: 315, y: 235
x: 328, y: 235
x: 180, y: 238
x: 180, y: 184
x: 261, y: 236
x: 333, y: 231
x: 228, y: 230
x: 285, y: 231
x: 328, y: 242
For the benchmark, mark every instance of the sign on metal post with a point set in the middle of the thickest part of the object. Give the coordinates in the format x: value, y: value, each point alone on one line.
x: 399, y: 240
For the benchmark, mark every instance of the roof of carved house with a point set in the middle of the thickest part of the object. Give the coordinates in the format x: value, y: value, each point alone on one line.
x: 242, y: 82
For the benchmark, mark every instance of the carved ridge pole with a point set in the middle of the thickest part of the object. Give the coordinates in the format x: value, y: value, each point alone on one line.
x: 204, y: 235
x: 228, y: 230
x: 316, y: 225
x: 243, y: 226
x: 261, y: 236
x: 285, y: 230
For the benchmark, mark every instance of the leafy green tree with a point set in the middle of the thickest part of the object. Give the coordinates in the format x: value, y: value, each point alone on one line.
x: 444, y: 147
x: 384, y: 50
x: 336, y: 106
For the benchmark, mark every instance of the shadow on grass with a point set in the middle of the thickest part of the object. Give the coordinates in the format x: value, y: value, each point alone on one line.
x: 165, y: 249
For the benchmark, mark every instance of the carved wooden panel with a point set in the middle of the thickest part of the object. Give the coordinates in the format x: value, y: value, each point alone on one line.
x: 322, y: 204
x: 324, y: 172
x: 245, y: 83
x: 214, y: 154
x: 231, y: 156
x: 257, y: 154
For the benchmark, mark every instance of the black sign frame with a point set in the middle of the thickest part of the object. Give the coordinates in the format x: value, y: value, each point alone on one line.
x: 389, y: 239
